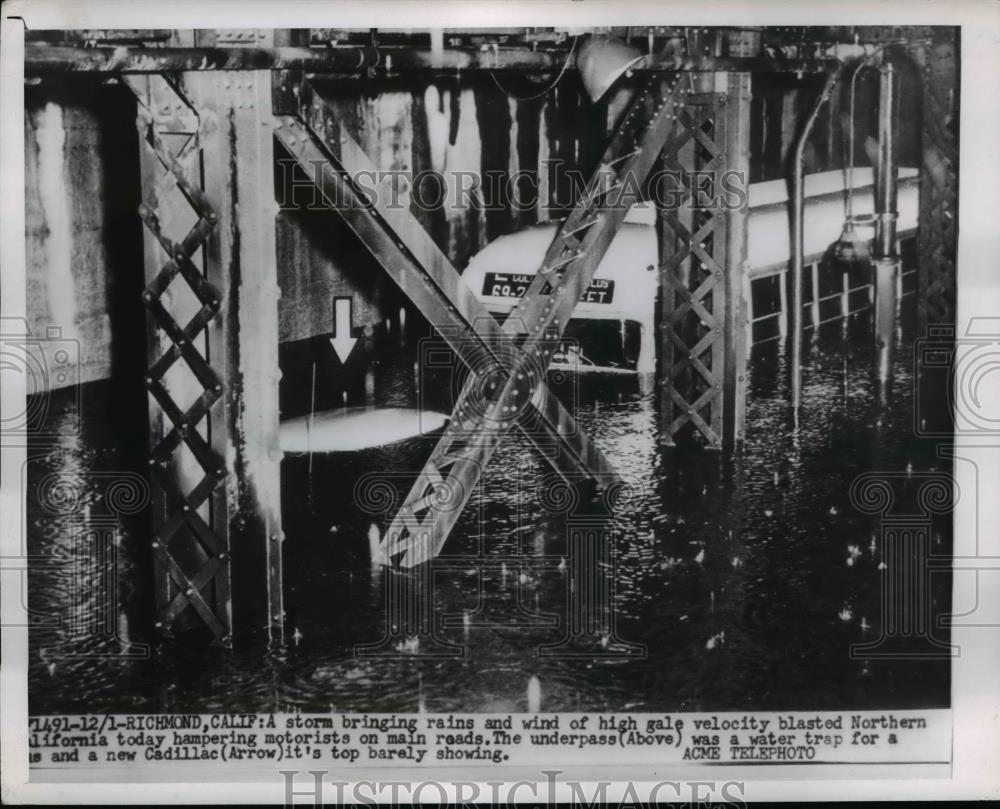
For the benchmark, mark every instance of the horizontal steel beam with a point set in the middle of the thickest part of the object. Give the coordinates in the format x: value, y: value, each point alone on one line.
x: 46, y: 59
x: 43, y: 60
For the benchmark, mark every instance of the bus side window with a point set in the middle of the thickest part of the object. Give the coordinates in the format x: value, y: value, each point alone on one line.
x: 633, y: 342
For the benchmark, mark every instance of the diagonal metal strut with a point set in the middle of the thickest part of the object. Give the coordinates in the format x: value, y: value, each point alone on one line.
x: 427, y: 277
x: 484, y: 413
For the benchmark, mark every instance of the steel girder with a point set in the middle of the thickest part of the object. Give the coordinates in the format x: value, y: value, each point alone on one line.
x: 210, y: 265
x: 938, y: 232
x: 488, y: 405
x: 426, y: 276
x: 703, y: 273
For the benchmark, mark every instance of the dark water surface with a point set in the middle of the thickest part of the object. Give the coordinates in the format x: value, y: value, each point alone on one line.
x: 746, y: 581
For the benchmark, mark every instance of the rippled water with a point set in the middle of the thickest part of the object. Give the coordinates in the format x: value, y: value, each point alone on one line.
x: 738, y: 578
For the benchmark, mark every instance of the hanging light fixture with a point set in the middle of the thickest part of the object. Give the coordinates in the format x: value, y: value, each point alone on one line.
x: 602, y: 60
x: 853, y: 249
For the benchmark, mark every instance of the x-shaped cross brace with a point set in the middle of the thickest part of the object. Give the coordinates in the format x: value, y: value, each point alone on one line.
x: 508, y: 364
x: 486, y: 406
x: 435, y: 287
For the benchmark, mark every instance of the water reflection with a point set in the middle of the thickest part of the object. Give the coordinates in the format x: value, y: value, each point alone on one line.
x: 737, y: 584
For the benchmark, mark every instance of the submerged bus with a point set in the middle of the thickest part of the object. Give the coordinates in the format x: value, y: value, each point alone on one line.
x: 613, y: 327
x: 611, y: 330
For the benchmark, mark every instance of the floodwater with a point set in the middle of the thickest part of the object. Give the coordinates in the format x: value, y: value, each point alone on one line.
x: 736, y: 585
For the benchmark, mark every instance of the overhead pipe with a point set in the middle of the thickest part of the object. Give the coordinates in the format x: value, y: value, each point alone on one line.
x: 887, y: 269
x: 885, y: 208
x: 798, y: 236
x: 886, y: 182
x: 43, y: 59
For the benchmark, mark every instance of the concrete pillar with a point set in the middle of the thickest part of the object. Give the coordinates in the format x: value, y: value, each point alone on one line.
x: 737, y: 145
x: 239, y: 178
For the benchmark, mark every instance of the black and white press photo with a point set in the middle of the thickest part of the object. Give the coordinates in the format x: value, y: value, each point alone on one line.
x: 555, y: 399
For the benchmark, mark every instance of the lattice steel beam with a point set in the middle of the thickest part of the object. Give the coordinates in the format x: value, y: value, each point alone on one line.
x: 937, y: 235
x: 703, y: 274
x: 486, y: 408
x: 208, y: 208
x: 411, y: 258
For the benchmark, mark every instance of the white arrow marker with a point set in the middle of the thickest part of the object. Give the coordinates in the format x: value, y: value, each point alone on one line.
x: 342, y: 341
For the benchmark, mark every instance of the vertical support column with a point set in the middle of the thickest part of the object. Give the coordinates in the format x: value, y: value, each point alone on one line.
x: 783, y: 304
x: 718, y: 254
x: 703, y: 274
x: 190, y: 547
x: 814, y: 307
x: 737, y: 269
x: 887, y: 270
x: 241, y: 262
x: 845, y: 294
x: 939, y: 181
x: 675, y: 221
x: 211, y: 294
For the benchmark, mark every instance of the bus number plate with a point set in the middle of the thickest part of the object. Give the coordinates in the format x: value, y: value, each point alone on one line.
x: 513, y: 285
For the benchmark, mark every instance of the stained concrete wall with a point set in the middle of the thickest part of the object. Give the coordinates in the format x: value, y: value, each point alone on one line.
x: 83, y: 237
x: 67, y: 283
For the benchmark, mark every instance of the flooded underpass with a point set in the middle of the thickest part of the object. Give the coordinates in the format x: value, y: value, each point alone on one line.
x: 422, y: 404
x: 738, y: 583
